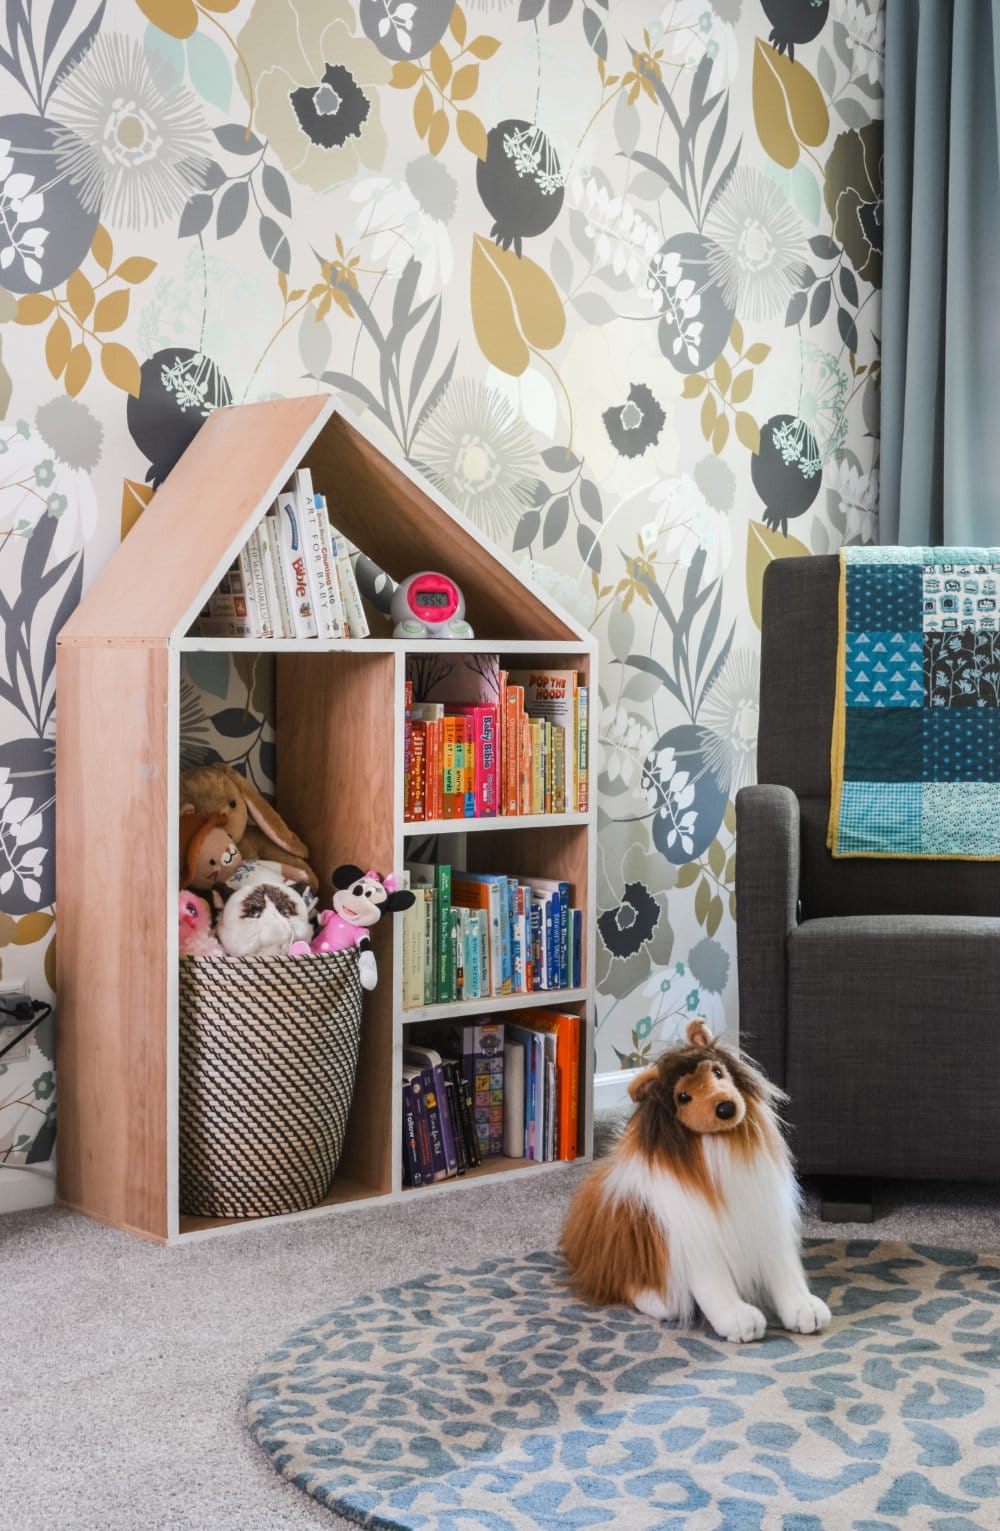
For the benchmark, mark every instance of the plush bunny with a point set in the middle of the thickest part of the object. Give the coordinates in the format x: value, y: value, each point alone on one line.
x: 260, y: 833
x: 208, y: 855
x: 359, y: 901
x: 260, y: 919
x: 195, y: 919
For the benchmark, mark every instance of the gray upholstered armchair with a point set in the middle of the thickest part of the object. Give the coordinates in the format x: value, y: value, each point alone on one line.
x: 869, y: 989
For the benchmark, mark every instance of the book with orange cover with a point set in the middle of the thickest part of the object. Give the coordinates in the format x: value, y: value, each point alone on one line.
x: 417, y: 810
x: 452, y: 768
x: 566, y: 1028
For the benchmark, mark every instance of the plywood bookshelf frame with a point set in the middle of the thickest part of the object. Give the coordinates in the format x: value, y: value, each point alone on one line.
x: 120, y: 658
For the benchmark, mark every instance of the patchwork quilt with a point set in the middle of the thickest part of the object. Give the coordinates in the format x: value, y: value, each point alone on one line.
x: 915, y: 758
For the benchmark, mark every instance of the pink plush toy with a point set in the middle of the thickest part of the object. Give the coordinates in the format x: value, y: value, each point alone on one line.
x: 195, y: 935
x: 359, y: 901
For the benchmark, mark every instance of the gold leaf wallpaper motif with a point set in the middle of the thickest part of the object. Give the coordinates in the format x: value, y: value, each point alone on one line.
x: 607, y: 273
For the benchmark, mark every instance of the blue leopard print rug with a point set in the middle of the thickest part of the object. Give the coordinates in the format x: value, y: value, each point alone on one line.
x: 489, y: 1400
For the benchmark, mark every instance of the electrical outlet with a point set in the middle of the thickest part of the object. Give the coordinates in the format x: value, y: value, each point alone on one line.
x: 13, y: 989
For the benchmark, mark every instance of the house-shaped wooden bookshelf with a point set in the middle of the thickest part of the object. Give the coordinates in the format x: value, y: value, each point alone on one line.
x: 338, y: 736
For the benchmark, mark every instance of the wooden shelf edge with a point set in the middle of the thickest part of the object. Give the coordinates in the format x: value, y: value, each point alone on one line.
x: 422, y: 827
x: 456, y: 1009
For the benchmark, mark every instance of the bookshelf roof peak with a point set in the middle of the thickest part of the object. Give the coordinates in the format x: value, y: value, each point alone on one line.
x: 158, y: 580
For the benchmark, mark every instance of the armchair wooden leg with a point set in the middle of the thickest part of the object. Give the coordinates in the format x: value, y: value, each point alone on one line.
x: 846, y: 1199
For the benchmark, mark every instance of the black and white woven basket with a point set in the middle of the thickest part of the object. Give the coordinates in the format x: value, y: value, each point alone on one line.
x: 268, y: 1052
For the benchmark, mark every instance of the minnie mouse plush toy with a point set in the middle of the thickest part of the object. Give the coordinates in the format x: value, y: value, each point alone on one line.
x: 360, y: 899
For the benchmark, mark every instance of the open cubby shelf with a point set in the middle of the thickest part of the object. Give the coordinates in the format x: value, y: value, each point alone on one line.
x: 339, y: 781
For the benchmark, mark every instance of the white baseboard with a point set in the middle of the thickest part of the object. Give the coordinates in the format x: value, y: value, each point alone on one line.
x: 611, y: 1090
x: 29, y: 1186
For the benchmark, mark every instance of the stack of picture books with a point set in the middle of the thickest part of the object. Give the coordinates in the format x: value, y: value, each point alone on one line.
x: 486, y: 1089
x: 480, y: 935
x: 294, y: 577
x: 480, y: 740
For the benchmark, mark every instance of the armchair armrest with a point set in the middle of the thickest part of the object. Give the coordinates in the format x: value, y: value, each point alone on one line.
x: 767, y: 899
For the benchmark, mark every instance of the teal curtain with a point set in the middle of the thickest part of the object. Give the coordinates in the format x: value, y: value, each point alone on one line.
x: 940, y: 459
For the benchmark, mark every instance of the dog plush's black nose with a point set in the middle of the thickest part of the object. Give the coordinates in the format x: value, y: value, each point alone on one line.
x: 725, y: 1110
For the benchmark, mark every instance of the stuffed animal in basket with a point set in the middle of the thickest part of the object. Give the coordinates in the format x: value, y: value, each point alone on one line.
x: 261, y: 919
x: 260, y: 833
x: 195, y: 936
x: 360, y: 899
x: 697, y: 1205
x: 208, y: 854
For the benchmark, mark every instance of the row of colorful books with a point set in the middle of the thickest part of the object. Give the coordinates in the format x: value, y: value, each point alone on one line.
x: 488, y: 1089
x: 481, y: 935
x: 520, y: 747
x: 293, y: 578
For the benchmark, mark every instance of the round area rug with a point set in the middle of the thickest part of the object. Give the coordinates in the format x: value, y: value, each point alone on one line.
x: 490, y: 1400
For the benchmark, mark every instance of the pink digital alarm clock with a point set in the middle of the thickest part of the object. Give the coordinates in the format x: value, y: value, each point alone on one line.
x: 429, y: 605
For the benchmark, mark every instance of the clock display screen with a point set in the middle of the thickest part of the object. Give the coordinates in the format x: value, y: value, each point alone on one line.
x: 432, y: 598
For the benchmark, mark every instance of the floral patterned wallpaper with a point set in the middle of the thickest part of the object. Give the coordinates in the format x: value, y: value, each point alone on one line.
x: 606, y: 270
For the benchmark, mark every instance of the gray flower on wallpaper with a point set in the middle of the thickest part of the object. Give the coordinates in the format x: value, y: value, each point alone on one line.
x: 316, y: 88
x: 481, y: 455
x: 635, y: 425
x: 696, y: 316
x: 70, y: 430
x: 633, y: 931
x: 130, y: 139
x: 758, y: 249
x: 709, y: 964
x: 728, y: 721
x: 717, y: 482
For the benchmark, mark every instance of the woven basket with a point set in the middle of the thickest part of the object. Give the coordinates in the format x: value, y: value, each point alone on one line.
x: 268, y: 1052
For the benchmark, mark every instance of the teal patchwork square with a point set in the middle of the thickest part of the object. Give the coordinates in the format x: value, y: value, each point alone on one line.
x: 884, y: 669
x: 880, y: 816
x: 961, y: 818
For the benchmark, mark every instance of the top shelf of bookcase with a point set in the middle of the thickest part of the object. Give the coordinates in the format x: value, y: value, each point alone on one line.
x: 192, y: 644
x: 202, y: 514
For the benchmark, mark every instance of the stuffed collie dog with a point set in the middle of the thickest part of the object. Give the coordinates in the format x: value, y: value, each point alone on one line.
x: 697, y: 1205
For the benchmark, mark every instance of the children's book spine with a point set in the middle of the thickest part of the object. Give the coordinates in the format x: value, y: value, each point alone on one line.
x: 331, y: 581
x: 312, y: 514
x: 463, y: 1100
x: 267, y: 575
x: 413, y: 955
x: 407, y: 752
x: 576, y: 916
x: 229, y: 604
x: 452, y: 797
x: 537, y: 944
x: 429, y: 929
x: 294, y: 565
x: 444, y: 974
x: 472, y: 922
x: 558, y: 770
x: 418, y: 772
x: 526, y: 768
x: 511, y: 754
x: 454, y: 1119
x: 259, y: 585
x: 354, y: 611
x: 425, y: 1153
x: 565, y: 952
x: 411, y: 1156
x: 433, y: 769
x: 287, y: 621
x: 582, y: 753
x: 434, y: 1109
x: 458, y: 990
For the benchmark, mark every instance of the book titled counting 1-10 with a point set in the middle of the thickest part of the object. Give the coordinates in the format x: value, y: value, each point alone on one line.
x: 480, y: 741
